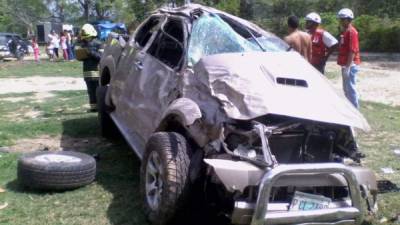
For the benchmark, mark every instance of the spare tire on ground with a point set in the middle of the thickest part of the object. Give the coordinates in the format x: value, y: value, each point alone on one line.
x: 62, y: 170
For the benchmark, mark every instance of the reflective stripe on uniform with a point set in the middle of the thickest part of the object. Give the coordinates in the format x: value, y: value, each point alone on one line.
x: 88, y: 74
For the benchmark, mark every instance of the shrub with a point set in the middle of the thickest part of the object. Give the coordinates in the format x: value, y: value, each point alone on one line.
x: 377, y: 34
x: 330, y: 23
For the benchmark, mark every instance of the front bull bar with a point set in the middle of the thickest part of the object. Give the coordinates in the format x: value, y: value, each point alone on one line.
x: 347, y: 215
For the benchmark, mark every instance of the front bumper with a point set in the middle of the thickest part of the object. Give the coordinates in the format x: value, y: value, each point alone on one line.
x: 347, y: 213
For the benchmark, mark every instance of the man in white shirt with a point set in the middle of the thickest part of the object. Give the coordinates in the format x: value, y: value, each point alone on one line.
x: 323, y: 43
x: 55, y: 42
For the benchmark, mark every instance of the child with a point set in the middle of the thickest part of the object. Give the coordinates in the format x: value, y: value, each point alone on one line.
x: 63, y: 44
x: 35, y: 47
x: 50, y: 51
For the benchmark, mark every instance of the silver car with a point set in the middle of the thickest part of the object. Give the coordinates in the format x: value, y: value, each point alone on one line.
x: 207, y: 99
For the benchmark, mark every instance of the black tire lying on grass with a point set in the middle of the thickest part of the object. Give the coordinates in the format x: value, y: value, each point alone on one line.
x: 62, y: 170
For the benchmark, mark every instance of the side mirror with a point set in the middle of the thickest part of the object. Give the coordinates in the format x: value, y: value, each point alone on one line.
x: 122, y: 41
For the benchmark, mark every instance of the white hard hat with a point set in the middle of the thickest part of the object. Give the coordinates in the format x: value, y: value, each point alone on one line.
x: 345, y: 14
x: 88, y: 31
x: 314, y: 17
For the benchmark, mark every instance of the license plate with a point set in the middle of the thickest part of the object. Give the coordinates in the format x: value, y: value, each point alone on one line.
x: 304, y: 201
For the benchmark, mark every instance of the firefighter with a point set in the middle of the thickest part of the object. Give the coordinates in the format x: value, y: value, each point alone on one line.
x: 323, y: 43
x: 90, y: 54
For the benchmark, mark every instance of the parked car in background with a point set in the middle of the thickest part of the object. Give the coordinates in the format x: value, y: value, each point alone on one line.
x: 13, y: 46
x: 210, y: 101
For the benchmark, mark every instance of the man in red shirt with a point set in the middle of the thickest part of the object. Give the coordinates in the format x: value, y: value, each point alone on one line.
x: 323, y: 43
x: 349, y: 55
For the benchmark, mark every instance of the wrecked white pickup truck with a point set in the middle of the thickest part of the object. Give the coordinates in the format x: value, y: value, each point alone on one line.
x: 206, y: 98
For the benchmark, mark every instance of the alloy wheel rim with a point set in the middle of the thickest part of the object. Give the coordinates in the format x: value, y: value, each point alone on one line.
x: 154, y: 183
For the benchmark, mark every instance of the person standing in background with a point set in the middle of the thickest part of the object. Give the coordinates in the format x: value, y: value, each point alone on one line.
x: 297, y: 39
x: 63, y: 44
x: 69, y: 45
x: 35, y: 47
x: 50, y: 51
x: 323, y: 43
x: 55, y: 42
x: 349, y: 55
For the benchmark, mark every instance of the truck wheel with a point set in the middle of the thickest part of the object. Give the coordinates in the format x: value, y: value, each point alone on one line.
x: 56, y: 170
x: 107, y: 126
x: 19, y: 55
x: 164, y: 176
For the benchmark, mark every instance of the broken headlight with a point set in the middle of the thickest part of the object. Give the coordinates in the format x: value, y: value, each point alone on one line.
x: 248, y: 141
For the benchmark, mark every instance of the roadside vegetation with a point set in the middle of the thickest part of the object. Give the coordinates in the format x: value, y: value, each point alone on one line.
x: 377, y: 20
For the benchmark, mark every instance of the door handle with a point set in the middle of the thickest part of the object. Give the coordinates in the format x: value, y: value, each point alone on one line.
x: 139, y: 65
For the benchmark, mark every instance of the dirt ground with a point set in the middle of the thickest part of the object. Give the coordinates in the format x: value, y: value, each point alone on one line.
x: 40, y: 84
x: 377, y: 81
x: 54, y: 143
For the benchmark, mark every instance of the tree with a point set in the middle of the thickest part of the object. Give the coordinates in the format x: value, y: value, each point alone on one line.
x: 86, y: 4
x: 25, y: 13
x: 103, y: 8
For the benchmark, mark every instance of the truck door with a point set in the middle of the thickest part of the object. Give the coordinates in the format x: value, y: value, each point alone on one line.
x: 126, y: 70
x: 154, y: 84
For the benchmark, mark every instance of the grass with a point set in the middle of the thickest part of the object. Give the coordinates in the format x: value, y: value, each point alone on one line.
x: 54, y: 115
x: 378, y: 146
x: 44, y: 68
x: 114, y: 197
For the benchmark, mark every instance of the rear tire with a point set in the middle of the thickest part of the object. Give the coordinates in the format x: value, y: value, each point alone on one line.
x: 164, y: 177
x: 107, y: 126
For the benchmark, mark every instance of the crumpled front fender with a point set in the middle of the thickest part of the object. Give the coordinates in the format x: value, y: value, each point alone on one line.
x: 186, y: 109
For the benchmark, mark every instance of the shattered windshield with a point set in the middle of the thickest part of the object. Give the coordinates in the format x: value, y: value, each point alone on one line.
x: 212, y: 35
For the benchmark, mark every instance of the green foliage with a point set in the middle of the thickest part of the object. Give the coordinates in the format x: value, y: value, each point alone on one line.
x: 21, y: 15
x: 378, y: 34
x: 230, y: 6
x: 376, y: 20
x: 330, y: 23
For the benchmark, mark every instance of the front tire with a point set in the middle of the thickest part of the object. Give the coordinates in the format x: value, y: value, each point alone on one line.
x: 164, y: 177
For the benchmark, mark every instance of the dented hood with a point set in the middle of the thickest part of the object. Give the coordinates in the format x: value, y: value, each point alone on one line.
x: 249, y: 85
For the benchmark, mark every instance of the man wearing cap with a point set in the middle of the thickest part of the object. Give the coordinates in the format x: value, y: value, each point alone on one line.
x: 90, y: 54
x: 349, y: 55
x: 323, y: 43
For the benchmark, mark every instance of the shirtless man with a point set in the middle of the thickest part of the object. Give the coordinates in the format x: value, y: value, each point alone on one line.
x: 297, y: 39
